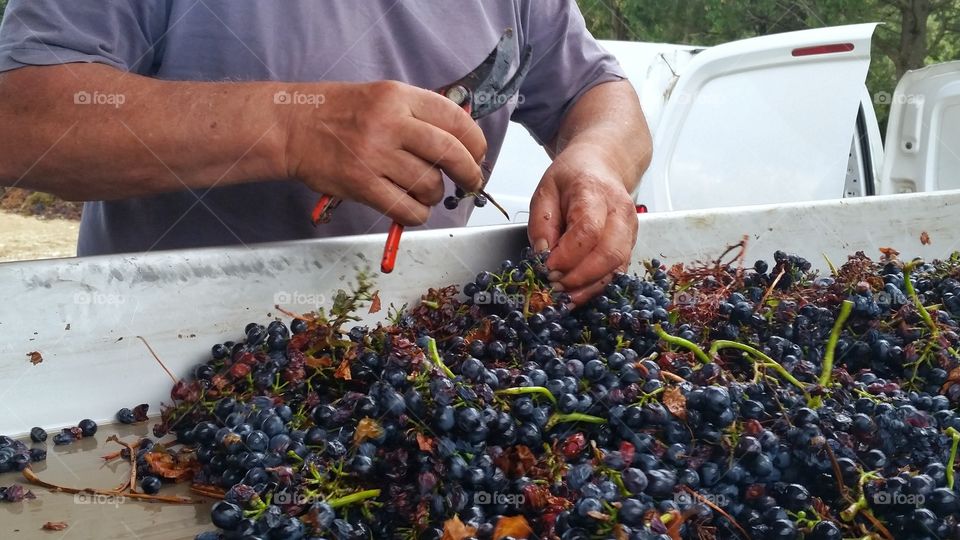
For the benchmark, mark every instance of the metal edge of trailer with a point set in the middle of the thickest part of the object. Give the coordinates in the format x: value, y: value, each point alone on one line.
x: 84, y: 315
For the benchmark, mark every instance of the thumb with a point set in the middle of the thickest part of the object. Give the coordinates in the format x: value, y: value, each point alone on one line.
x: 546, y: 219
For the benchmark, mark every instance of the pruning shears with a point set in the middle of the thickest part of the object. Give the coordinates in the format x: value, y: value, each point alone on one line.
x: 480, y: 93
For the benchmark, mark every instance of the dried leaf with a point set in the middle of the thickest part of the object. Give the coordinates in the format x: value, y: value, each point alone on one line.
x: 35, y: 357
x: 925, y: 238
x: 140, y: 412
x: 343, y: 371
x: 54, y: 525
x: 599, y: 516
x: 889, y: 253
x: 367, y: 429
x: 515, y: 526
x: 454, y: 529
x: 517, y: 461
x: 539, y: 300
x: 425, y: 443
x: 165, y: 465
x: 375, y: 303
x: 317, y: 363
x: 675, y: 402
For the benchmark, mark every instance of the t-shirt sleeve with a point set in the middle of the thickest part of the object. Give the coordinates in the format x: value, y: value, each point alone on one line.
x: 119, y: 33
x: 567, y: 62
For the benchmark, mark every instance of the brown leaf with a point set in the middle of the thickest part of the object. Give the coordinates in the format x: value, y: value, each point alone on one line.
x: 367, y: 428
x: 35, y: 357
x: 925, y: 238
x: 454, y: 529
x: 515, y: 526
x: 165, y: 465
x: 889, y: 253
x: 54, y: 526
x: 425, y: 443
x: 517, y: 461
x: 317, y: 363
x: 375, y: 303
x: 675, y: 402
x: 343, y: 371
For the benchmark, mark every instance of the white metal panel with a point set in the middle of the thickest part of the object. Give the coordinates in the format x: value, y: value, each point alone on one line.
x: 923, y: 133
x: 83, y: 315
x: 751, y: 123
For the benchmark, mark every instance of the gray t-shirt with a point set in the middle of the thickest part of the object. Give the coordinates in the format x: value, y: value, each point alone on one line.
x: 426, y: 43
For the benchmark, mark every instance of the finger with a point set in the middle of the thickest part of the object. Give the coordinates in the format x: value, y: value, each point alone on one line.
x: 383, y: 195
x: 611, y: 253
x: 418, y: 178
x: 585, y: 219
x: 583, y: 295
x: 443, y: 150
x: 446, y: 115
x: 545, y: 216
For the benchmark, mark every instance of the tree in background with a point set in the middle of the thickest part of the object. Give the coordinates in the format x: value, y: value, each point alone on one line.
x: 914, y: 33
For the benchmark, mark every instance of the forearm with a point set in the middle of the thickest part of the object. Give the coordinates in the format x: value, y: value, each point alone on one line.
x: 138, y: 136
x: 609, y: 122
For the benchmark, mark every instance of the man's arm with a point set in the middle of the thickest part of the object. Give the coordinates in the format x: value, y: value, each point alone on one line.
x: 582, y: 209
x: 89, y: 131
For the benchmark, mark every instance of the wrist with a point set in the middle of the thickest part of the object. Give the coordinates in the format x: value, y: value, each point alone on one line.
x: 595, y: 159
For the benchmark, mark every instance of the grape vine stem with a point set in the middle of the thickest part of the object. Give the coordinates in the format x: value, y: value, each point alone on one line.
x: 680, y: 342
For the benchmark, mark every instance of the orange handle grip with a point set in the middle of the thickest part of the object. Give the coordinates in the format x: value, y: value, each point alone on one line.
x: 391, y: 248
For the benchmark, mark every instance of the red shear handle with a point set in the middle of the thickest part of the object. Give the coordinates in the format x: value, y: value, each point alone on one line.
x: 391, y: 248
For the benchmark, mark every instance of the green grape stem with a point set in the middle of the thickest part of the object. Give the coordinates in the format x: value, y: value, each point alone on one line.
x: 766, y: 361
x: 680, y: 342
x: 955, y: 435
x: 558, y: 418
x: 912, y: 293
x: 354, y: 498
x: 435, y: 357
x: 539, y: 390
x: 826, y: 370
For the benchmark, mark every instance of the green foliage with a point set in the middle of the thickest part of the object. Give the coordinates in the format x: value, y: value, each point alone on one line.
x: 904, y: 41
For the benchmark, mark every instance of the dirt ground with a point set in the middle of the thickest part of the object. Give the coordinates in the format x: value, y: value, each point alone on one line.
x: 28, y: 237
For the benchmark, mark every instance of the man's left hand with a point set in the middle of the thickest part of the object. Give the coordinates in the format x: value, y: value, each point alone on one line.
x: 584, y: 214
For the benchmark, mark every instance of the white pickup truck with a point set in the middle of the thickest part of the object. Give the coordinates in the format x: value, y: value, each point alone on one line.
x: 768, y: 120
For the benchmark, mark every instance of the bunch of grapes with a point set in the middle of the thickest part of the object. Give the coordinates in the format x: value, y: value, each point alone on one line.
x: 709, y: 401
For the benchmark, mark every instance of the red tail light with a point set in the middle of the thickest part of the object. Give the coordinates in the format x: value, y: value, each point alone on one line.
x: 823, y: 49
x: 641, y: 209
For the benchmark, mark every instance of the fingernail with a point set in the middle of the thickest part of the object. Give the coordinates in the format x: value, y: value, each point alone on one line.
x: 540, y: 245
x: 571, y: 306
x: 558, y: 287
x: 554, y: 276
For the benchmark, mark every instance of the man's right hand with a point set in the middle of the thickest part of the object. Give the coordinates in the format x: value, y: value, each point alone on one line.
x: 383, y: 144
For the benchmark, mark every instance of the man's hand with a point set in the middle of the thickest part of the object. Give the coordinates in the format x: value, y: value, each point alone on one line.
x: 385, y: 144
x: 583, y: 212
